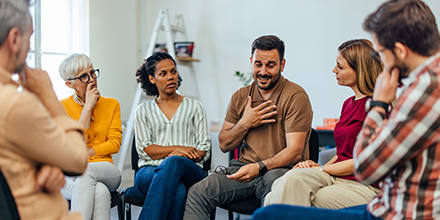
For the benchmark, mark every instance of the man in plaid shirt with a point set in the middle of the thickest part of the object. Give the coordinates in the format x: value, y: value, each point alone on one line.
x: 401, y: 152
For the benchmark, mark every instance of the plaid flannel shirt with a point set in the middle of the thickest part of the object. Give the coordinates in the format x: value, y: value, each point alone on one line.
x: 403, y: 152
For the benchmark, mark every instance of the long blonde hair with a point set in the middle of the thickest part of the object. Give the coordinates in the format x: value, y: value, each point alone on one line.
x: 358, y: 55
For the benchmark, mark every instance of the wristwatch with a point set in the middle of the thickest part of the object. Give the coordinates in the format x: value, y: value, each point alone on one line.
x: 263, y: 168
x: 370, y: 104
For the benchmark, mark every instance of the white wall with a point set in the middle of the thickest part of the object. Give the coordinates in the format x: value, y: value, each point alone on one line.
x: 113, y: 49
x: 223, y: 32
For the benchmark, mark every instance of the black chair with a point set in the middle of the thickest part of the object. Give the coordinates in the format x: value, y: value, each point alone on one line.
x: 116, y: 201
x: 8, y: 208
x: 249, y: 205
x: 132, y: 195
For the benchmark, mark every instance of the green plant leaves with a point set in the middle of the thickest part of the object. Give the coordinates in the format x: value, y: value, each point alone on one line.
x: 245, y: 78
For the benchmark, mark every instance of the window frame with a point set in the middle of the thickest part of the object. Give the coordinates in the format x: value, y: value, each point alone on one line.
x: 78, y: 19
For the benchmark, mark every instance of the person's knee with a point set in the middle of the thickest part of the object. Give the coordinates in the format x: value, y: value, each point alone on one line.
x: 270, y: 177
x: 294, y: 176
x: 197, y: 191
x: 333, y: 198
x: 101, y: 192
x: 204, y: 190
x: 173, y: 161
x: 180, y: 192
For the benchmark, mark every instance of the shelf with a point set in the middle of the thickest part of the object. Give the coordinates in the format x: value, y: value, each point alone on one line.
x: 187, y: 59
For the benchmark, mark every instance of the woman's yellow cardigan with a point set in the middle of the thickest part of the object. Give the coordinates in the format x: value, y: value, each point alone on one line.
x: 105, y: 132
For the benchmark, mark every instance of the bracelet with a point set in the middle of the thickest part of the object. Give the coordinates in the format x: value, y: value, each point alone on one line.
x: 322, y: 167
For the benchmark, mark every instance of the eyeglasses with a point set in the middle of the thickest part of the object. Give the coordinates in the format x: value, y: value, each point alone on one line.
x: 376, y: 55
x: 224, y: 170
x: 85, y: 78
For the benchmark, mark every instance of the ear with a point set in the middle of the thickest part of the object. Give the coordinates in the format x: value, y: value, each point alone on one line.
x: 69, y: 84
x: 251, y: 59
x: 282, y: 64
x: 401, y: 50
x: 152, y: 80
x: 14, y: 40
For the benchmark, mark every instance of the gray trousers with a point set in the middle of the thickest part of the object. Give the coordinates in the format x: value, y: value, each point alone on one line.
x: 217, y: 189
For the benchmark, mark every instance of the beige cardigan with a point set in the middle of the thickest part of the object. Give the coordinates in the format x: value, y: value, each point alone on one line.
x: 29, y: 136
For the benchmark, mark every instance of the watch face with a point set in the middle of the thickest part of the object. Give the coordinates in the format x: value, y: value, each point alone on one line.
x: 263, y: 168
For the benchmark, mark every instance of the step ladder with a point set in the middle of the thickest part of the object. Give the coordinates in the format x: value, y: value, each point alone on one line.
x: 162, y: 24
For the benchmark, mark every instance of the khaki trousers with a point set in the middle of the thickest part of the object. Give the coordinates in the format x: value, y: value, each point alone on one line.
x: 313, y: 187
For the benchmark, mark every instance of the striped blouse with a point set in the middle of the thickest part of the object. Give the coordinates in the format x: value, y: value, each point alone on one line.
x: 403, y: 152
x: 188, y: 127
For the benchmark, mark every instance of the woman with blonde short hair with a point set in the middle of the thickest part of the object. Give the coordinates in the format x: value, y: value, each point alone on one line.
x: 101, y: 117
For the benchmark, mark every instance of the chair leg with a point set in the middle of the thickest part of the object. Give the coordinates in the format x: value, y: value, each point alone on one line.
x: 128, y: 211
x: 230, y: 215
x: 120, y: 208
x: 212, y: 217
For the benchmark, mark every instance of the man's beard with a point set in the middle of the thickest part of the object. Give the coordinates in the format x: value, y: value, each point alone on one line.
x: 271, y: 84
x: 19, y: 68
x: 401, y: 66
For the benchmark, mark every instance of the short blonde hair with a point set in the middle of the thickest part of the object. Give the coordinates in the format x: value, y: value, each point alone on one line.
x: 358, y: 55
x: 72, y: 65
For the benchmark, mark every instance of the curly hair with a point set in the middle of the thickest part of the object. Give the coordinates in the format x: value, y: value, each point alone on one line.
x: 148, y: 68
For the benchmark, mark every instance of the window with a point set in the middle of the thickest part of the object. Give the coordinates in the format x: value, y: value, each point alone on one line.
x: 61, y: 27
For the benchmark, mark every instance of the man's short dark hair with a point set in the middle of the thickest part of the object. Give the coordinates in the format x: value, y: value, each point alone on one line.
x: 409, y: 22
x: 269, y: 42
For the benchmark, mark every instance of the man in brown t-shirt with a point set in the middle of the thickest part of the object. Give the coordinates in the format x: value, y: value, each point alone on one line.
x: 270, y: 120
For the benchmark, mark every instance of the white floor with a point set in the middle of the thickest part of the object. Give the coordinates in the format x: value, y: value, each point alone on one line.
x: 221, y: 214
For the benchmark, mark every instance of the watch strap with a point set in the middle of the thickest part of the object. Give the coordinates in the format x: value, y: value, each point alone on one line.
x: 381, y: 104
x: 263, y: 168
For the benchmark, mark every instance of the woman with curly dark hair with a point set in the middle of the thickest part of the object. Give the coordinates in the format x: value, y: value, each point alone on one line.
x: 172, y: 140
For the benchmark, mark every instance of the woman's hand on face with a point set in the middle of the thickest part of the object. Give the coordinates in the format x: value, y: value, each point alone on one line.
x: 92, y: 95
x: 189, y: 152
x: 305, y: 164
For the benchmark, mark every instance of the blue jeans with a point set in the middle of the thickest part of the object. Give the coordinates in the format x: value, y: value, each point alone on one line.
x: 285, y: 212
x: 166, y: 186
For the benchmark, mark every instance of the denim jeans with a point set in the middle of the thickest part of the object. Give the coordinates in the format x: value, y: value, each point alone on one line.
x: 288, y: 212
x: 166, y: 186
